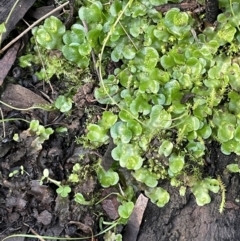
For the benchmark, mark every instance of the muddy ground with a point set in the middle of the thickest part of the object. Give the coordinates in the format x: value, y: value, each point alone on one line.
x: 27, y: 207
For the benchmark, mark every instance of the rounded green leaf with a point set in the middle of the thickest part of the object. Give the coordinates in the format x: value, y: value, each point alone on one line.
x: 196, y: 148
x: 227, y: 33
x: 120, y: 131
x: 165, y: 148
x: 230, y: 146
x: 146, y: 58
x: 64, y: 104
x: 108, y: 178
x: 135, y: 127
x: 108, y: 119
x: 54, y: 25
x: 71, y: 53
x: 115, y: 8
x: 76, y: 35
x: 177, y: 22
x: 205, y: 132
x: 176, y: 163
x: 159, y: 118
x: 91, y: 14
x: 140, y: 105
x: 211, y: 184
x: 234, y: 168
x: 97, y: 134
x: 117, y: 152
x: 125, y: 115
x: 125, y: 209
x: 225, y: 132
x: 129, y: 52
x: 84, y: 49
x: 202, y: 198
x: 102, y: 94
x: 145, y: 176
x: 158, y: 195
x: 131, y: 162
x: 234, y: 104
x: 45, y: 39
x: 167, y: 61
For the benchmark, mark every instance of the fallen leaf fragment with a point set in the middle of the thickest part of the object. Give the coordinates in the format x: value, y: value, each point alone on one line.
x: 135, y: 220
x: 20, y: 97
x: 7, y: 61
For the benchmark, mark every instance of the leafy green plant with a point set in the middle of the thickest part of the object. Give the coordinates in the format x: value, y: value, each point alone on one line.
x: 79, y: 198
x: 233, y: 168
x: 41, y: 132
x: 201, y: 190
x: 173, y: 86
x: 173, y: 83
x: 158, y: 195
x: 49, y: 35
x: 63, y: 103
x: 107, y: 178
x: 62, y: 190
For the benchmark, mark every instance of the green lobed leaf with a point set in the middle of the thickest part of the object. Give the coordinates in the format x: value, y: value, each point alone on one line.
x: 177, y: 22
x: 165, y: 148
x: 63, y: 191
x: 140, y: 105
x: 97, y: 133
x: 159, y: 118
x: 108, y: 178
x: 176, y: 163
x: 91, y: 14
x: 115, y: 8
x: 158, y: 195
x: 108, y: 119
x: 234, y: 168
x: 121, y: 132
x: 145, y: 176
x: 76, y: 35
x: 54, y: 26
x: 63, y: 103
x: 230, y: 146
x: 125, y: 209
x: 225, y: 132
x: 146, y: 58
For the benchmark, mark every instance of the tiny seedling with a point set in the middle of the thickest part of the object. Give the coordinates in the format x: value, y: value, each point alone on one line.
x: 79, y: 198
x: 62, y: 190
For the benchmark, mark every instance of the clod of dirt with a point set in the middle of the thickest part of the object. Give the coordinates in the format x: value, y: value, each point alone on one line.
x: 16, y: 202
x: 110, y: 206
x: 62, y: 210
x: 84, y: 95
x: 44, y: 217
x: 42, y: 193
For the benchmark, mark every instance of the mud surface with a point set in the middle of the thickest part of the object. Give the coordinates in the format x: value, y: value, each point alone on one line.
x: 183, y: 220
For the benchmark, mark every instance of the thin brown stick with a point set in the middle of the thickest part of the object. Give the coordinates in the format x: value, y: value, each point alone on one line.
x: 34, y: 232
x: 3, y: 123
x: 33, y: 25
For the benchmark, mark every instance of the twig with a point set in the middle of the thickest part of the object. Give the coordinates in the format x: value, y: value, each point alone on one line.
x: 33, y: 25
x: 35, y: 233
x: 3, y: 123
